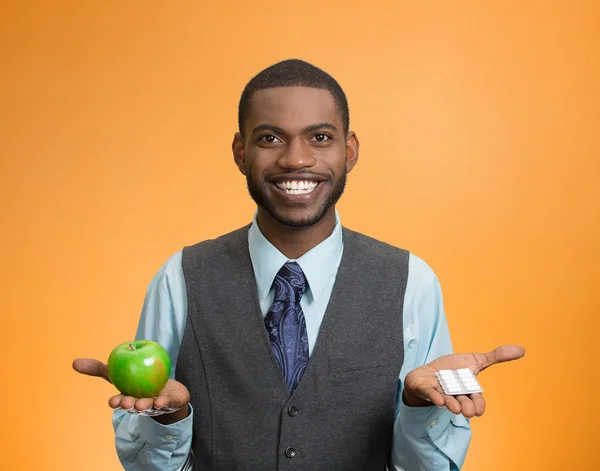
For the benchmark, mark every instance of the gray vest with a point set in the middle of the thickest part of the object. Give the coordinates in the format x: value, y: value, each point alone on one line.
x: 341, y: 415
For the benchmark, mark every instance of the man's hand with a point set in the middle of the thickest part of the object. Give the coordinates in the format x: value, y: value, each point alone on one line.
x: 421, y: 387
x: 174, y: 394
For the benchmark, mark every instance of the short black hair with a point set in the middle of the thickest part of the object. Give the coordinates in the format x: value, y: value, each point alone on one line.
x: 293, y: 73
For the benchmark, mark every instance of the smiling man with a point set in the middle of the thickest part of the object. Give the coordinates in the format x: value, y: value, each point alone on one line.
x: 295, y: 150
x: 298, y: 344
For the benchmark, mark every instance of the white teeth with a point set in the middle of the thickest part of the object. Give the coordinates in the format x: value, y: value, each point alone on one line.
x: 297, y: 187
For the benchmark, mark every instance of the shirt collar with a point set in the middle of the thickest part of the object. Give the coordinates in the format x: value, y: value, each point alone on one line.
x: 318, y: 264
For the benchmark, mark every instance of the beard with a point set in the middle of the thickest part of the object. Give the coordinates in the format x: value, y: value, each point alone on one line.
x: 261, y: 199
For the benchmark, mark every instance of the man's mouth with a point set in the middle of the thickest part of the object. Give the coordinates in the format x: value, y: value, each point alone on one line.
x: 297, y: 187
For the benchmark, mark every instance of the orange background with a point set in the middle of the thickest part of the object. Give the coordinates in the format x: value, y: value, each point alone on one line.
x: 479, y: 125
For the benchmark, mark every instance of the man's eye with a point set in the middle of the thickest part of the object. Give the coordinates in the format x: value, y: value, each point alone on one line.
x: 321, y: 137
x: 269, y: 139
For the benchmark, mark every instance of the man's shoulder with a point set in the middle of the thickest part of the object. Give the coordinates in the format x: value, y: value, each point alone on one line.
x: 170, y: 271
x: 366, y: 242
x: 229, y: 237
x: 232, y: 246
x: 417, y: 266
x: 234, y: 237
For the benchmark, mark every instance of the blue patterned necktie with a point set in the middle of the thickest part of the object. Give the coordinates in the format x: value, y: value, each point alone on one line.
x: 286, y: 325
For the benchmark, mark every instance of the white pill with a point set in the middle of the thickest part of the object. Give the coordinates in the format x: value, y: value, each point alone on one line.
x: 456, y: 382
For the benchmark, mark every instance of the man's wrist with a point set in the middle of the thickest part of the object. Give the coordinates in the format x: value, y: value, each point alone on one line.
x: 177, y: 416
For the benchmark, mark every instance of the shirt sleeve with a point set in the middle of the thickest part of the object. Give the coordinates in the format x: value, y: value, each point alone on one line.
x: 141, y: 442
x: 426, y: 438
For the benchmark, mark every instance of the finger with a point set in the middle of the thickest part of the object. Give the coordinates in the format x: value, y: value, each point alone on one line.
x: 175, y: 399
x: 91, y: 367
x: 433, y: 395
x: 144, y: 403
x: 115, y: 401
x: 174, y: 394
x: 452, y: 404
x: 467, y: 408
x: 163, y: 401
x: 127, y: 402
x: 479, y: 403
x: 499, y: 355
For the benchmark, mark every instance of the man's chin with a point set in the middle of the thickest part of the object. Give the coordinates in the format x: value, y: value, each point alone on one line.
x: 301, y: 216
x: 297, y: 219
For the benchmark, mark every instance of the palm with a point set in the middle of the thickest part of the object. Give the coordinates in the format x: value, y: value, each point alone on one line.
x: 421, y: 385
x: 174, y: 395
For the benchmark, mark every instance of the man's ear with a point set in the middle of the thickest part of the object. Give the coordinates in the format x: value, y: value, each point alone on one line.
x: 352, y: 146
x: 237, y: 146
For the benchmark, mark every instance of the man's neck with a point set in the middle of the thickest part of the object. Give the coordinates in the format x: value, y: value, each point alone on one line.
x: 293, y: 242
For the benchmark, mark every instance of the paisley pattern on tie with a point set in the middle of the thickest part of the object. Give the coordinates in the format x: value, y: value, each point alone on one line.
x: 286, y: 325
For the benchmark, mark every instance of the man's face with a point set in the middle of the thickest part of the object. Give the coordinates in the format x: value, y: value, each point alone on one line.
x: 295, y: 154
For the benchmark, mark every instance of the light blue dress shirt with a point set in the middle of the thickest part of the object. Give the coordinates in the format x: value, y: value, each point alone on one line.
x: 425, y: 438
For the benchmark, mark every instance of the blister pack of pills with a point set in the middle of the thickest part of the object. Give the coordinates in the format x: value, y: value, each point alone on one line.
x: 456, y: 382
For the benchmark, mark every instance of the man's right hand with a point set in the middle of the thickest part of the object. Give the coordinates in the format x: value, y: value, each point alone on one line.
x: 174, y: 395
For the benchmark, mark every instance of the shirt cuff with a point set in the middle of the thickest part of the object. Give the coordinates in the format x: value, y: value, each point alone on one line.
x: 166, y: 436
x: 428, y: 421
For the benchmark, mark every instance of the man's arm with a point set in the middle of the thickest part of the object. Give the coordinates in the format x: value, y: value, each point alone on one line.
x: 144, y: 443
x: 426, y: 438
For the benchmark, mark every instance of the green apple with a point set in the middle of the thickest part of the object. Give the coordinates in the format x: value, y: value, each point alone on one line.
x: 140, y: 368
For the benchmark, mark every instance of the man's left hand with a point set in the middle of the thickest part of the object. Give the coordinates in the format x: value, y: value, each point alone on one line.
x: 421, y: 387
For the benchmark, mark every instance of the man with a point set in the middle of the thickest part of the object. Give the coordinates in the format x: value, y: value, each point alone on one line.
x: 297, y: 343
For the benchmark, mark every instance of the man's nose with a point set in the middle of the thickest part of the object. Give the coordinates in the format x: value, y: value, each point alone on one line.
x: 297, y: 154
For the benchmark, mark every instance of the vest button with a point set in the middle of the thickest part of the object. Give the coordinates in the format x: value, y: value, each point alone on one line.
x: 290, y: 452
x: 293, y: 411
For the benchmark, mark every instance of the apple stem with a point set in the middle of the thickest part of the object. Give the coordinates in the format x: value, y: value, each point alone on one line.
x: 131, y: 346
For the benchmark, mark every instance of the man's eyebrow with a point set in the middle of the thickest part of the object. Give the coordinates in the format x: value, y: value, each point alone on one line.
x: 268, y: 127
x: 316, y: 127
x: 307, y: 130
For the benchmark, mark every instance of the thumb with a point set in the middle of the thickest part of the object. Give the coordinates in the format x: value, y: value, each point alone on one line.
x: 499, y: 355
x: 173, y: 399
x: 91, y: 367
x: 174, y: 394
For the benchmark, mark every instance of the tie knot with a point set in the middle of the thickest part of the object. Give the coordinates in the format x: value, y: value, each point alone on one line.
x: 290, y: 283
